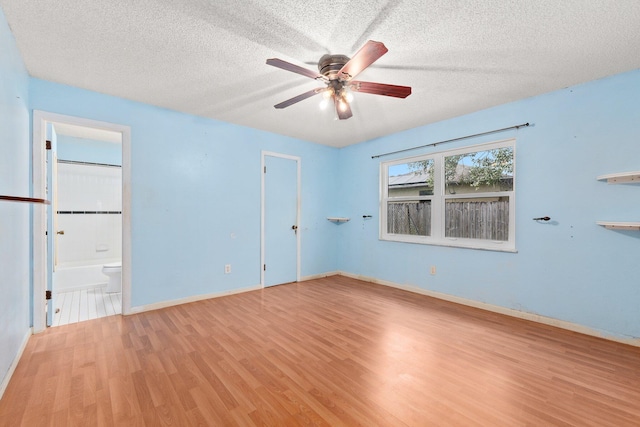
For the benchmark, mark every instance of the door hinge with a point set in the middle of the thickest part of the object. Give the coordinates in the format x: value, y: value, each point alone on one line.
x: 264, y: 267
x: 265, y: 169
x: 48, y: 145
x: 47, y: 295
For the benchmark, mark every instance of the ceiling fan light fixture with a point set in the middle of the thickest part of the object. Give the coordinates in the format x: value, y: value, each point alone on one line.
x: 337, y: 73
x: 347, y: 95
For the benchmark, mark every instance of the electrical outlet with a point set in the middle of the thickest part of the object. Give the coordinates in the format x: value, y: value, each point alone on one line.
x: 433, y: 270
x: 227, y: 268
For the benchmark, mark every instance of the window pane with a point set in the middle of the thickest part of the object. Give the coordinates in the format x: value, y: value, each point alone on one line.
x: 413, y: 218
x: 480, y: 171
x: 479, y: 218
x: 411, y: 179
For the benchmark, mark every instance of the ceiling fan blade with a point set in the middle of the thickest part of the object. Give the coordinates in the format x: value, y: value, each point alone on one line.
x: 342, y: 108
x: 301, y: 97
x: 380, y: 89
x: 367, y: 55
x: 279, y: 63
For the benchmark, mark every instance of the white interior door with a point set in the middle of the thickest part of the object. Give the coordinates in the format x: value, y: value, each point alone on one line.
x: 52, y: 226
x: 281, y: 236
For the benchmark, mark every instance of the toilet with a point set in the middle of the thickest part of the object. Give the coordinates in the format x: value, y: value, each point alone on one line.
x: 114, y: 272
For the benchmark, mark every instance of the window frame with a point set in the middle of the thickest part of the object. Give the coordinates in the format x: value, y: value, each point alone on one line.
x: 439, y: 199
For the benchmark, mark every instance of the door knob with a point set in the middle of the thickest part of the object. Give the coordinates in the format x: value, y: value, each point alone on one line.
x: 60, y: 232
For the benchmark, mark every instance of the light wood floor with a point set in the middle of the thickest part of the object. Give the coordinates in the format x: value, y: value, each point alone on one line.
x: 331, y: 352
x: 84, y: 304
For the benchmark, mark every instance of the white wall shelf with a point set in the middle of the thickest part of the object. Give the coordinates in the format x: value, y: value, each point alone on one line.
x: 620, y: 225
x: 338, y: 219
x: 621, y: 178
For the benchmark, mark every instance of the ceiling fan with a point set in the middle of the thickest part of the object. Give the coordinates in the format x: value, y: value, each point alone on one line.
x: 337, y: 72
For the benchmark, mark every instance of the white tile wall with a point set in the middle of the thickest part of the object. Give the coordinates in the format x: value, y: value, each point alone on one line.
x: 85, y: 187
x: 88, y: 238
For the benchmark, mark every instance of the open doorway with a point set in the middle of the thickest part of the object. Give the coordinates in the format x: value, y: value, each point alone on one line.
x: 84, y: 223
x: 82, y: 239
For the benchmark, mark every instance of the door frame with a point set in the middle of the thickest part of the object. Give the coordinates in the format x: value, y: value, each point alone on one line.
x: 39, y: 136
x: 52, y: 225
x: 262, y: 209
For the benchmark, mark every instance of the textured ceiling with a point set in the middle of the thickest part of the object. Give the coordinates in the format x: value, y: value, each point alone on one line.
x: 207, y: 57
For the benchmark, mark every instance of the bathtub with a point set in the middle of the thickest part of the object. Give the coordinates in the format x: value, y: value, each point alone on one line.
x: 79, y: 277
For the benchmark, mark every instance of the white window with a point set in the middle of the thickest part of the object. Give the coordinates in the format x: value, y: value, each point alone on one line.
x: 463, y: 197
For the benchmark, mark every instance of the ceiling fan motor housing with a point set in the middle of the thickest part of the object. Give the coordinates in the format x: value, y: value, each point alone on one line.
x: 329, y: 65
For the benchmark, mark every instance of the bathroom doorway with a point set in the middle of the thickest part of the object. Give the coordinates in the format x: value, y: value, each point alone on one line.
x: 83, y: 260
x: 85, y: 216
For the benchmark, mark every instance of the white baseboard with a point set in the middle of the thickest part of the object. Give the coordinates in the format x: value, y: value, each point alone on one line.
x: 574, y: 327
x: 163, y: 304
x: 14, y: 364
x: 319, y: 276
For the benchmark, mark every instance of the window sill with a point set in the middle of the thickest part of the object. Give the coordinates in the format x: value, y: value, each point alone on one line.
x: 454, y: 243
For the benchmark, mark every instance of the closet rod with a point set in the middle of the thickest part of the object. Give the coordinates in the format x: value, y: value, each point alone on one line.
x: 452, y: 140
x: 76, y: 162
x: 24, y: 199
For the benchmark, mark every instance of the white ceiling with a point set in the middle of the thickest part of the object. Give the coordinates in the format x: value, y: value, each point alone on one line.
x: 207, y: 57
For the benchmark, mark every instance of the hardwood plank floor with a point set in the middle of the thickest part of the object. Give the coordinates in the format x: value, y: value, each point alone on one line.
x: 328, y: 352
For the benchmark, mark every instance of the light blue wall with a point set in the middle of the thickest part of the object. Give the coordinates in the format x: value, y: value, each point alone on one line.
x: 570, y: 269
x: 196, y: 195
x: 196, y: 183
x: 15, y: 180
x: 89, y: 150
